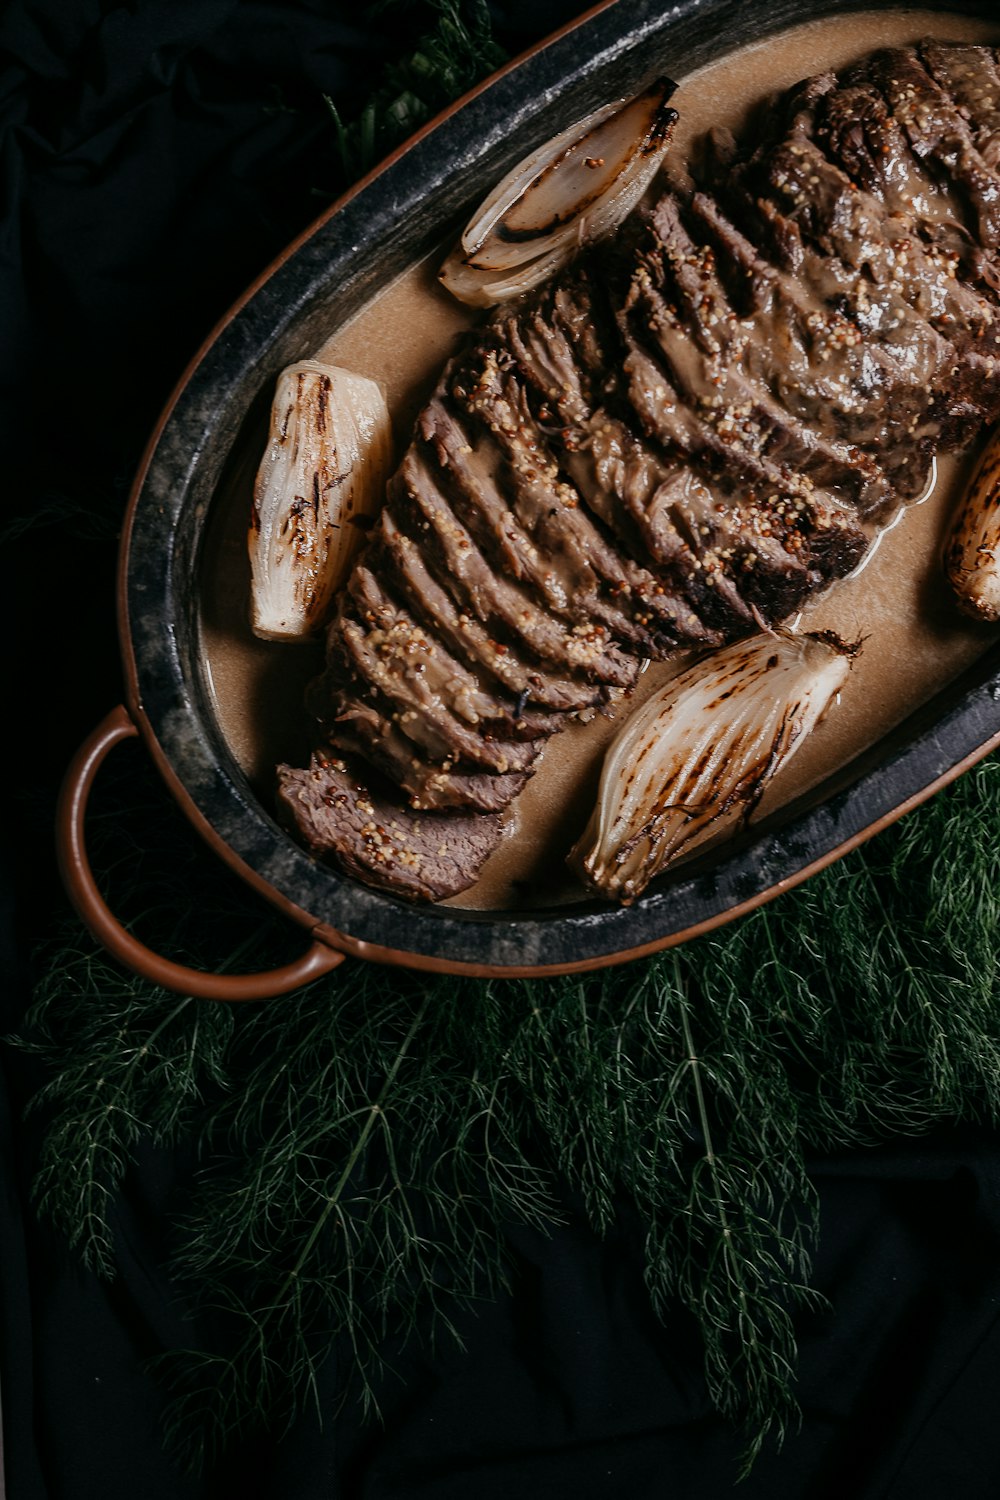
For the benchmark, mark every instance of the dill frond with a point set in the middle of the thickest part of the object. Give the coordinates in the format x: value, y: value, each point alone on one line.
x: 121, y: 1072
x: 355, y: 1185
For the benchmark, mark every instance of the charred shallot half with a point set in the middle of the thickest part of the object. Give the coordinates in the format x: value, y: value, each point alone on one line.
x: 972, y: 553
x: 576, y: 188
x: 324, y: 472
x: 696, y: 757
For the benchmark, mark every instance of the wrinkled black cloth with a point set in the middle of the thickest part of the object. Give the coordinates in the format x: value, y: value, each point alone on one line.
x: 155, y: 156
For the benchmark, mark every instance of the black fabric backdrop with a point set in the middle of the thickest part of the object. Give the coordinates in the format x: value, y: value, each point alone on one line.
x: 155, y: 156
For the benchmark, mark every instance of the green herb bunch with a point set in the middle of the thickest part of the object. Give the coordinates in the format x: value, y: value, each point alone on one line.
x: 364, y: 1142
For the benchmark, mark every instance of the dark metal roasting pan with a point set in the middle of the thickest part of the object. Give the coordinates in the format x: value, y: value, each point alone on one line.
x: 372, y: 234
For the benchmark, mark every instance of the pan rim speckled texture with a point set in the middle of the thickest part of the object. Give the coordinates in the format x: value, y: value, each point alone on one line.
x: 366, y: 238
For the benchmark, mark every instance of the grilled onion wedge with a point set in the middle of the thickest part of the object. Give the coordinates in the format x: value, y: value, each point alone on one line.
x: 324, y: 471
x: 694, y: 760
x: 972, y: 552
x: 575, y: 188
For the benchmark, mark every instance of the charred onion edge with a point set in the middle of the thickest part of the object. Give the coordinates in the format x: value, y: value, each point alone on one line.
x: 321, y: 478
x: 495, y: 260
x: 721, y: 765
x: 972, y: 549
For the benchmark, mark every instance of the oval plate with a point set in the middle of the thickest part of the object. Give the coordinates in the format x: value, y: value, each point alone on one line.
x: 368, y: 238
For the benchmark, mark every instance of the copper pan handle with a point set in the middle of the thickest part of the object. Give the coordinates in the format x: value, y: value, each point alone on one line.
x: 78, y: 878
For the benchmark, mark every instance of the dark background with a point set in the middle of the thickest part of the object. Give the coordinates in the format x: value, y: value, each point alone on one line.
x: 155, y: 157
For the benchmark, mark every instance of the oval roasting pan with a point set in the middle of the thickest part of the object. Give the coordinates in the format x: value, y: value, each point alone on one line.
x: 384, y: 225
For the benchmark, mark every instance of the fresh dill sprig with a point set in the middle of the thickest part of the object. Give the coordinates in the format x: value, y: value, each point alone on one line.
x: 122, y: 1074
x: 363, y: 1143
x: 448, y: 59
x: 648, y: 1090
x: 385, y: 1127
x: 368, y: 1163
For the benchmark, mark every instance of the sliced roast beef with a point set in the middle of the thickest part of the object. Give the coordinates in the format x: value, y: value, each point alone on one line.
x: 476, y: 484
x: 915, y: 379
x: 464, y: 633
x: 361, y: 730
x: 571, y: 527
x: 938, y: 132
x: 680, y: 438
x: 337, y: 808
x: 739, y: 425
x: 859, y: 132
x: 822, y: 363
x: 499, y: 602
x: 423, y: 715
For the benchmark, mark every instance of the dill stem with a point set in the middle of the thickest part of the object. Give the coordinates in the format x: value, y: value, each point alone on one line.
x: 729, y: 1257
x: 373, y: 1114
x: 144, y: 1049
x: 938, y: 1036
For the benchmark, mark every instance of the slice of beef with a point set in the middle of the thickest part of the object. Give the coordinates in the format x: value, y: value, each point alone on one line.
x: 443, y: 673
x: 793, y: 313
x: 477, y: 482
x: 600, y: 474
x: 586, y: 648
x: 743, y: 420
x: 463, y: 632
x: 547, y: 358
x: 597, y: 542
x: 474, y: 486
x: 565, y: 345
x: 612, y: 468
x: 365, y: 711
x: 939, y: 133
x: 822, y: 360
x: 504, y: 715
x: 402, y: 639
x: 423, y: 714
x: 859, y: 132
x: 360, y: 730
x: 766, y: 550
x: 340, y: 810
x: 920, y: 388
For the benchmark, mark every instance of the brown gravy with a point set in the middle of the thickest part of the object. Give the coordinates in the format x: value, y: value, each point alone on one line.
x: 915, y: 640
